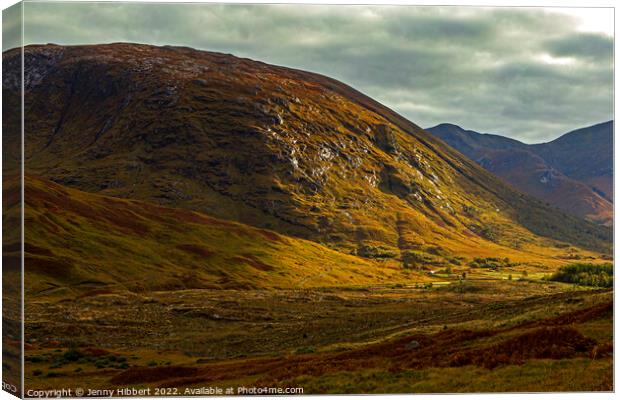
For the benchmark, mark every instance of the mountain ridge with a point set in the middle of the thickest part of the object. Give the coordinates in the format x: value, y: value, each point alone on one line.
x: 573, y: 172
x: 598, y: 140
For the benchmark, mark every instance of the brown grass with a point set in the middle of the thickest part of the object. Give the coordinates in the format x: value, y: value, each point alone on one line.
x: 446, y: 348
x: 195, y: 249
x: 154, y: 374
x: 548, y: 342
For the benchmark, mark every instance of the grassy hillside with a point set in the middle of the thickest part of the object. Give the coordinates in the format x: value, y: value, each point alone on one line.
x: 78, y: 242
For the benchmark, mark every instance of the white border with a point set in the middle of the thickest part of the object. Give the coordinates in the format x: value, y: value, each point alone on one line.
x: 498, y: 3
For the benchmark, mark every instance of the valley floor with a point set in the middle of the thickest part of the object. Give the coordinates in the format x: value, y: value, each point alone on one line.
x: 479, y: 335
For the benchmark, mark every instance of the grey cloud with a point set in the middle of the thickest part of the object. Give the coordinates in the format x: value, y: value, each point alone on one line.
x: 487, y: 69
x: 584, y: 45
x: 12, y: 27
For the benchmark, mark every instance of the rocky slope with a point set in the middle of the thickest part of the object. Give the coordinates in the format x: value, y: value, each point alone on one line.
x: 271, y: 147
x: 573, y: 172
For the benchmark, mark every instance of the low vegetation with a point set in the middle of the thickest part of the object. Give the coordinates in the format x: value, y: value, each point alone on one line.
x: 597, y: 275
x: 58, y: 360
x: 480, y: 327
x: 493, y: 263
x: 379, y: 252
x: 416, y: 259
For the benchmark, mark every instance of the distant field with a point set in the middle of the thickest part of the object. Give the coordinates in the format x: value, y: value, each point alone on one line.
x: 478, y: 335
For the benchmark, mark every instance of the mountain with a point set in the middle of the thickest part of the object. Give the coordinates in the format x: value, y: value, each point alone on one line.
x: 268, y: 147
x: 573, y: 172
x: 585, y: 155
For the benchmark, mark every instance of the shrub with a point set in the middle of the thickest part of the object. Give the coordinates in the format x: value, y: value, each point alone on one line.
x: 72, y: 355
x: 488, y: 232
x: 306, y: 350
x: 597, y: 275
x: 36, y: 359
x: 462, y: 287
x: 101, y: 364
x: 413, y: 259
x: 56, y: 365
x: 447, y: 271
x: 470, y: 211
x: 454, y: 260
x: 435, y: 250
x: 490, y: 262
x: 370, y: 251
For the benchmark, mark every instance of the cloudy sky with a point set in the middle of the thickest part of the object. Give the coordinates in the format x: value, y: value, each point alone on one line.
x: 528, y: 73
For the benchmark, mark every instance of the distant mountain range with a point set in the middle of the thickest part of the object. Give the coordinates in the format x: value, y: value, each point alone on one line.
x: 573, y: 172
